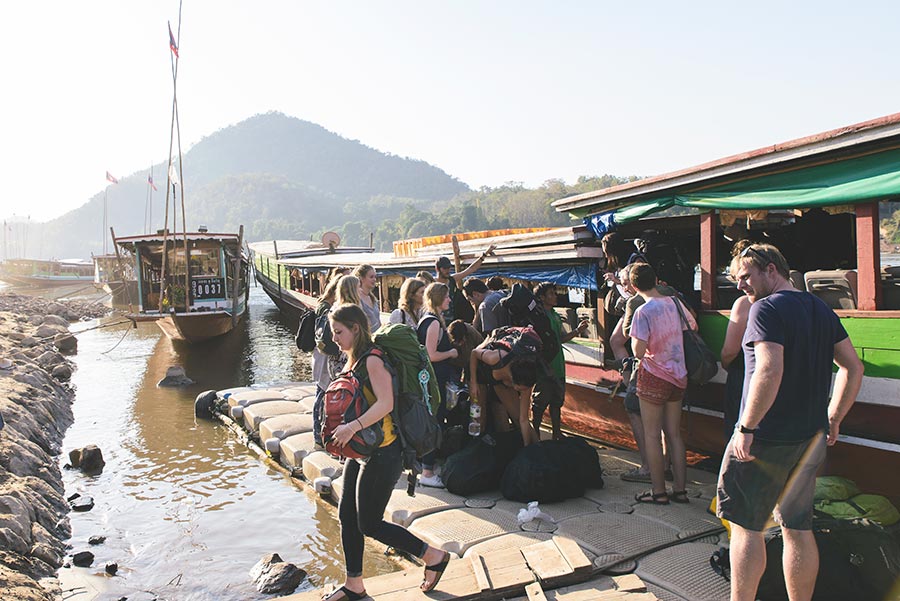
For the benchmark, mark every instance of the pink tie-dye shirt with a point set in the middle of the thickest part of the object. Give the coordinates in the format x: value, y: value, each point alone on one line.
x: 657, y: 323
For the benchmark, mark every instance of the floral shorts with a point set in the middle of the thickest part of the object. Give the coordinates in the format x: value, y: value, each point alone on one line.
x: 652, y: 389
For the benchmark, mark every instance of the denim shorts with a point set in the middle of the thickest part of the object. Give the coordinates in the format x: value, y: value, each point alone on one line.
x: 780, y: 482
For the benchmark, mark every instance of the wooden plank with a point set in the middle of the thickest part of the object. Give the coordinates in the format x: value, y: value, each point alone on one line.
x: 507, y: 571
x: 480, y: 573
x: 534, y: 592
x: 708, y: 222
x: 547, y: 561
x: 868, y: 256
x: 458, y: 582
x: 629, y: 583
x: 574, y: 554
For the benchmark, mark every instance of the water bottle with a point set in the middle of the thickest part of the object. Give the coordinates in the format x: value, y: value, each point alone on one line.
x: 474, y: 418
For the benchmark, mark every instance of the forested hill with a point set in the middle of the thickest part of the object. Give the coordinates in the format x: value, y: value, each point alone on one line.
x: 284, y: 178
x: 277, y: 175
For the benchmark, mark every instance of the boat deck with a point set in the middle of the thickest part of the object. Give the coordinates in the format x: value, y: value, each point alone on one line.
x: 583, y: 553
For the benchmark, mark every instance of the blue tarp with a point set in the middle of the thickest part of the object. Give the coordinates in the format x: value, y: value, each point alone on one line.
x: 573, y: 276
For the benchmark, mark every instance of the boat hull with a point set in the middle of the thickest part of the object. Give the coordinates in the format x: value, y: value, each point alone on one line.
x: 291, y: 304
x: 45, y: 281
x: 197, y: 327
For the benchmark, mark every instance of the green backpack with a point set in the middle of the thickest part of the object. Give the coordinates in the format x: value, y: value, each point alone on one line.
x: 416, y: 394
x: 835, y: 488
x: 872, y: 507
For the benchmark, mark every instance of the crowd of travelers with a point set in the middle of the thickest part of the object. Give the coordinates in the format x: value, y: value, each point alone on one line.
x: 778, y: 353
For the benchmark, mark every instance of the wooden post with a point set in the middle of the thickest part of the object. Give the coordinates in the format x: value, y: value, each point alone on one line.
x: 277, y: 267
x: 236, y: 279
x: 708, y: 223
x: 868, y: 257
x: 457, y: 263
x: 122, y: 270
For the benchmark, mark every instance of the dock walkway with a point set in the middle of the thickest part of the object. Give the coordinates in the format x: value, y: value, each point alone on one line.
x: 603, y: 545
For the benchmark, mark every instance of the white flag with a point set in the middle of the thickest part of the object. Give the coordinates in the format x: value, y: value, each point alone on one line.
x: 173, y: 174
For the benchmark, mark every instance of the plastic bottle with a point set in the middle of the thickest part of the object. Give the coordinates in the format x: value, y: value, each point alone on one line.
x: 474, y: 418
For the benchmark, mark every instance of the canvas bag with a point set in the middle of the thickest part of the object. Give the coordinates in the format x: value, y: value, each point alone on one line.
x: 700, y: 362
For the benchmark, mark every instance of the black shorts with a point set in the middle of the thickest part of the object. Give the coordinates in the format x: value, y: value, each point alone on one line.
x: 550, y: 391
x: 780, y: 482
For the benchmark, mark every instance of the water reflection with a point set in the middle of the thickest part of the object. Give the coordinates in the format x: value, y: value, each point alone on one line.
x: 186, y: 509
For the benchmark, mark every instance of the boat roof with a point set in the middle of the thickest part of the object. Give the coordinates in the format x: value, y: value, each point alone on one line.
x: 131, y: 241
x: 300, y: 248
x: 856, y: 148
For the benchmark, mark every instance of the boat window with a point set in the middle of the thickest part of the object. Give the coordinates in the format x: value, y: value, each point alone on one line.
x: 205, y: 261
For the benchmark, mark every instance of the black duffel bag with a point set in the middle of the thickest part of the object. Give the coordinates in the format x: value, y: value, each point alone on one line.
x: 479, y: 466
x: 551, y: 471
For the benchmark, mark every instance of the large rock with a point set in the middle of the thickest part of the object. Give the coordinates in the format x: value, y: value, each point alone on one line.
x: 62, y: 372
x: 48, y: 331
x: 56, y: 309
x: 274, y: 575
x: 49, y: 359
x: 66, y: 343
x: 175, y: 376
x: 88, y: 459
x: 83, y: 559
x: 56, y: 320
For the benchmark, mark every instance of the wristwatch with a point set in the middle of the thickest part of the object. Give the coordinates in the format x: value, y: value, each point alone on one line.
x: 745, y: 430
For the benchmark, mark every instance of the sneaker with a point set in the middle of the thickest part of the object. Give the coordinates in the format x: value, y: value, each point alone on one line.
x: 635, y: 475
x: 432, y: 481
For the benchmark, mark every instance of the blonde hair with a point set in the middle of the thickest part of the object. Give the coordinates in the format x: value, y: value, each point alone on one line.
x: 408, y: 291
x: 348, y: 290
x: 360, y: 272
x: 435, y: 294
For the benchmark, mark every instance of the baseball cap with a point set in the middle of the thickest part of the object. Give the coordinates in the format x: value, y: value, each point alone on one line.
x: 442, y: 262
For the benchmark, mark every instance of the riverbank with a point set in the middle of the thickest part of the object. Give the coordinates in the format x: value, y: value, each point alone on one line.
x: 35, y: 404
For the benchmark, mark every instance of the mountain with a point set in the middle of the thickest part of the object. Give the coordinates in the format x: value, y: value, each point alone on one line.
x: 277, y: 175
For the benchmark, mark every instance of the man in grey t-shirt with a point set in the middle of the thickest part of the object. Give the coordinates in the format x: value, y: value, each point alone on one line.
x: 484, y: 301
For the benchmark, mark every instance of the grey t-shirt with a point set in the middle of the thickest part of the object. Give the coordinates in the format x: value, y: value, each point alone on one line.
x: 486, y: 314
x: 372, y: 313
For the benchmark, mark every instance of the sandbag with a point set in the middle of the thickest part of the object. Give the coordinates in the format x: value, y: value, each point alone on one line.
x: 552, y: 470
x: 479, y: 466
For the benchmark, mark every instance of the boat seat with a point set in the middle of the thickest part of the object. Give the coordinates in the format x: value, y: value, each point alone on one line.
x: 838, y: 287
x: 797, y: 279
x: 890, y: 294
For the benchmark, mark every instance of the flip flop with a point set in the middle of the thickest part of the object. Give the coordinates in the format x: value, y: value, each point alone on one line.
x: 679, y: 496
x: 660, y: 498
x: 438, y: 570
x: 348, y: 595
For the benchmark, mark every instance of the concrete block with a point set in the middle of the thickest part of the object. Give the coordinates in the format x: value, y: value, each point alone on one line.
x: 257, y: 413
x: 282, y: 426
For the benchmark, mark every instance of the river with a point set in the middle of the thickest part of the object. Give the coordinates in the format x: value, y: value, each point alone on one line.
x: 186, y: 509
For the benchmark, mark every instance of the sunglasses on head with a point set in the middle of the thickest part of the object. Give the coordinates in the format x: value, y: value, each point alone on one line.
x: 759, y: 254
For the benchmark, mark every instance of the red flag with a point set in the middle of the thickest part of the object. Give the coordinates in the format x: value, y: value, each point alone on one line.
x: 110, y: 178
x: 172, y: 45
x: 150, y: 181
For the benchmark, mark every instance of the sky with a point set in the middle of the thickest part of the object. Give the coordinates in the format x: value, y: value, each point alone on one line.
x: 490, y: 92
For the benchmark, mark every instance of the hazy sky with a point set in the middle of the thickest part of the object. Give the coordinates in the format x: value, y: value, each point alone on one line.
x: 489, y: 91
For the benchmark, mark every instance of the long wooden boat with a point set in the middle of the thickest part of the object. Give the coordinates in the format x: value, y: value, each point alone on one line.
x: 194, y: 305
x: 115, y: 277
x: 291, y: 287
x: 819, y: 199
x: 46, y: 273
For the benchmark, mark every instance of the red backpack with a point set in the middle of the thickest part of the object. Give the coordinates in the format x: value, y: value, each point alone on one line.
x: 345, y: 402
x: 517, y: 342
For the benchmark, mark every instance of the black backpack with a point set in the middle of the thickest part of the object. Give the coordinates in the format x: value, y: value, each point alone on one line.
x: 479, y: 466
x: 323, y: 340
x: 524, y: 309
x: 858, y: 559
x: 552, y: 470
x: 306, y: 332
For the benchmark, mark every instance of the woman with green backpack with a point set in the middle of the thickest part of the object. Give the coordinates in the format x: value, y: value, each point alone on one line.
x: 368, y: 484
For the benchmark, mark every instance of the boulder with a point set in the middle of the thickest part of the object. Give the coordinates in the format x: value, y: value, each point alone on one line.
x: 28, y: 341
x: 175, y: 376
x: 82, y: 504
x: 88, y: 459
x: 204, y: 403
x: 6, y: 364
x: 111, y: 568
x: 48, y: 331
x: 66, y: 343
x: 36, y: 319
x: 62, y: 372
x: 83, y: 559
x: 273, y: 575
x: 48, y: 359
x: 56, y: 309
x: 56, y: 320
x: 96, y: 540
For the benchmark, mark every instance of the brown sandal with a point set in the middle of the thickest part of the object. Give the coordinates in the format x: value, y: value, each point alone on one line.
x: 660, y: 498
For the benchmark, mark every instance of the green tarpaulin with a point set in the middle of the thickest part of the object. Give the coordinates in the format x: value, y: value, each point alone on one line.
x: 872, y: 177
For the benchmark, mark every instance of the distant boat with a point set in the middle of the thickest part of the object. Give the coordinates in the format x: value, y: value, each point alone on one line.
x: 116, y: 278
x: 207, y: 301
x: 45, y: 273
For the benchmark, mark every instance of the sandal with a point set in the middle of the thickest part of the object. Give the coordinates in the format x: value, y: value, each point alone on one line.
x: 438, y: 570
x: 679, y: 496
x: 660, y: 498
x: 348, y: 595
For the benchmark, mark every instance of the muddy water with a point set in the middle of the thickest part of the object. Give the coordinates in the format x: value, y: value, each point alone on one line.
x: 186, y: 509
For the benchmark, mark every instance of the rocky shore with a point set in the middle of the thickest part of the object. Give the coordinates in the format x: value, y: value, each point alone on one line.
x: 35, y: 406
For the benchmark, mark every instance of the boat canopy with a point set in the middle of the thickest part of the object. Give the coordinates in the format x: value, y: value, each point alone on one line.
x: 855, y: 164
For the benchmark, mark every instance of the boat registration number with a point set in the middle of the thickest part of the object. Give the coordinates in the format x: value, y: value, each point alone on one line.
x: 207, y: 288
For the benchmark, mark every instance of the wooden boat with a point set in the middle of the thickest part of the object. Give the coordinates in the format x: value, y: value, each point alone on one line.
x: 292, y: 288
x: 46, y: 273
x: 116, y: 278
x: 206, y: 301
x: 776, y: 193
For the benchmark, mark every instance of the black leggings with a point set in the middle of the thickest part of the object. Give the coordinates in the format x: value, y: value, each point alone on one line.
x: 367, y: 489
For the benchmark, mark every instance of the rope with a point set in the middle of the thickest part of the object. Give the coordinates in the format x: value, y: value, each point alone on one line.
x: 118, y: 343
